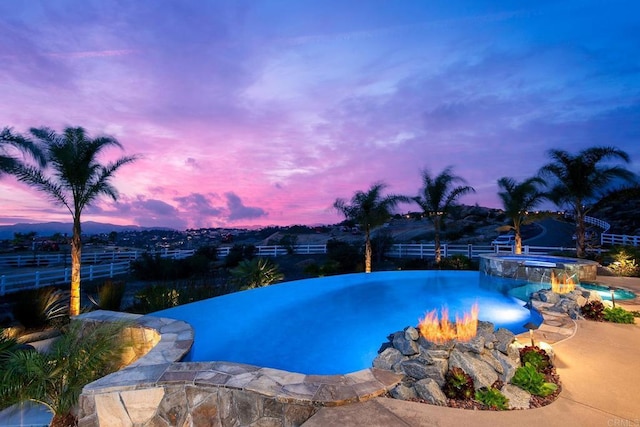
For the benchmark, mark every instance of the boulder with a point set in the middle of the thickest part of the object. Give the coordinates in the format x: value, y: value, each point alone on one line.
x: 430, y: 391
x: 411, y: 333
x: 548, y: 296
x: 476, y: 345
x: 504, y: 338
x: 482, y: 373
x: 404, y: 392
x: 518, y: 398
x: 428, y: 345
x: 418, y: 370
x: 405, y: 346
x: 387, y: 359
x: 509, y: 365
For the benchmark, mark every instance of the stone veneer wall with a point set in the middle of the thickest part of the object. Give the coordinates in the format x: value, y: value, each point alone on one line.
x: 158, y: 390
x: 525, y: 267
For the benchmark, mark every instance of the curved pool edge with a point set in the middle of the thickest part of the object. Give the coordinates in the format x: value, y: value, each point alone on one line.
x: 158, y: 388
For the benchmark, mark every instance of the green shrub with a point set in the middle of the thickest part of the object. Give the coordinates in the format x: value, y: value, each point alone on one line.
x: 593, y: 310
x: 456, y: 262
x: 493, y: 398
x: 623, y: 260
x: 110, y: 295
x: 38, y: 308
x: 238, y: 253
x: 458, y: 385
x: 320, y: 270
x: 529, y: 379
x: 536, y: 357
x: 618, y: 315
x: 55, y: 378
x: 155, y: 297
x: 349, y: 257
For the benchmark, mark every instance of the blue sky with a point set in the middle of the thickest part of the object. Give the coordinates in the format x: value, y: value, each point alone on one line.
x: 264, y: 112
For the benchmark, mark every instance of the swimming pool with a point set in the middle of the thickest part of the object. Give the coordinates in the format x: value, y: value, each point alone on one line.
x: 334, y: 325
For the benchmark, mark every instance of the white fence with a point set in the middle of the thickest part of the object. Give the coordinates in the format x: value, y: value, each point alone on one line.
x: 109, y: 264
x: 619, y: 239
x: 48, y: 277
x: 598, y: 223
x: 61, y: 259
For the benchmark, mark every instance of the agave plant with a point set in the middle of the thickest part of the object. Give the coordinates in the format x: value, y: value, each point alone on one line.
x: 55, y: 379
x: 256, y: 273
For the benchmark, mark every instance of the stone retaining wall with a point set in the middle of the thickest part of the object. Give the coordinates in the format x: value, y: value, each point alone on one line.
x: 158, y: 390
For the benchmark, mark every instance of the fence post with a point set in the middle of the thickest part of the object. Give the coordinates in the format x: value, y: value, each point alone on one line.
x: 470, y: 250
x: 111, y: 271
x: 37, y: 281
x: 3, y: 283
x: 66, y: 274
x: 91, y: 272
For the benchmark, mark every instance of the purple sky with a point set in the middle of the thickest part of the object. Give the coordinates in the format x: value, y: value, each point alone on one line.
x: 264, y: 112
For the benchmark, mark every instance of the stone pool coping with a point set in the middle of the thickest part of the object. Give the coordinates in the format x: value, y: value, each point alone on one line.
x: 161, y: 366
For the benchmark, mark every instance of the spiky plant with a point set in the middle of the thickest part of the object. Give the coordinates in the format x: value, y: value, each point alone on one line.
x: 55, y: 379
x: 256, y: 273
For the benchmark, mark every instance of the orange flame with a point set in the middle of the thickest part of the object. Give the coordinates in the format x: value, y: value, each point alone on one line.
x: 441, y: 331
x: 562, y: 286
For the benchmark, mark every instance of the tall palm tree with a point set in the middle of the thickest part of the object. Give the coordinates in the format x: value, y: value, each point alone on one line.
x: 369, y: 209
x: 578, y: 181
x: 518, y: 198
x: 438, y: 196
x: 10, y: 142
x: 75, y: 179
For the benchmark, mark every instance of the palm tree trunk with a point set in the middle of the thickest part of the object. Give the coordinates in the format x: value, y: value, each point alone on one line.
x: 76, y: 254
x: 367, y: 251
x: 518, y: 242
x: 580, y: 228
x: 436, y: 225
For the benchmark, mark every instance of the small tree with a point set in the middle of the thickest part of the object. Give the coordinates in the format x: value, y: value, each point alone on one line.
x: 370, y: 210
x: 518, y: 199
x: 438, y: 197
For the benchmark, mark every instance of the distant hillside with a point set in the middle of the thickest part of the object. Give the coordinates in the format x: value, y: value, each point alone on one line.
x: 621, y: 209
x: 49, y: 228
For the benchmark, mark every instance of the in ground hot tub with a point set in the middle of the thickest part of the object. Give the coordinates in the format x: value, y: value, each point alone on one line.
x: 538, y: 268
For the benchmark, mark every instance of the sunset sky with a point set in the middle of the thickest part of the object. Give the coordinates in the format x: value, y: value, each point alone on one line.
x: 264, y: 112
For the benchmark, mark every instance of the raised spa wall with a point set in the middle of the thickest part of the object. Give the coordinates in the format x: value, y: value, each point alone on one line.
x: 538, y: 269
x: 156, y: 389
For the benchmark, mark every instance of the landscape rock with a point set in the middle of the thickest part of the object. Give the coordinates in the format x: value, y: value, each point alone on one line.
x: 504, y: 339
x: 406, y: 346
x: 548, y: 296
x: 430, y: 391
x: 482, y: 373
x: 418, y: 370
x: 387, y: 359
x: 403, y: 392
x: 475, y: 345
x: 411, y: 333
x: 518, y: 398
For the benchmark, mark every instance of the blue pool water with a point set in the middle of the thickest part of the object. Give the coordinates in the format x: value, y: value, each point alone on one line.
x: 335, y: 325
x: 605, y: 293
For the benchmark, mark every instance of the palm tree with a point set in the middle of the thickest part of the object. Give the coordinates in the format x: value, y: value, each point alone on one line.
x: 369, y: 210
x: 10, y: 142
x: 55, y: 378
x: 75, y: 181
x: 518, y: 199
x: 438, y: 196
x: 579, y: 180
